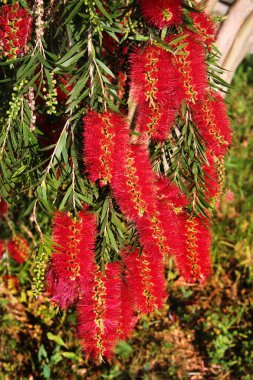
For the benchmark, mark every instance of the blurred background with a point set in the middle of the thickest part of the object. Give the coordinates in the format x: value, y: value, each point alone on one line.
x: 200, y: 333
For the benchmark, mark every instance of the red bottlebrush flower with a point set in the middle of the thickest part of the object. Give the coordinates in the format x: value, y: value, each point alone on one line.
x: 168, y: 192
x: 3, y: 207
x: 18, y: 249
x: 204, y: 25
x: 162, y: 13
x: 188, y: 238
x: 191, y: 67
x: 171, y: 217
x: 14, y: 22
x: 74, y: 251
x: 170, y: 206
x: 156, y: 122
x: 112, y: 308
x: 133, y: 181
x: 152, y: 75
x: 194, y: 263
x: 100, y: 134
x: 99, y: 312
x: 127, y: 319
x: 154, y: 88
x: 145, y: 277
x: 161, y: 233
x: 211, y: 118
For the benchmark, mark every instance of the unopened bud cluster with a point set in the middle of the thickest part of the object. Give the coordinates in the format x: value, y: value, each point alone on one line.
x: 50, y: 96
x: 39, y: 271
x: 16, y: 101
x: 93, y: 16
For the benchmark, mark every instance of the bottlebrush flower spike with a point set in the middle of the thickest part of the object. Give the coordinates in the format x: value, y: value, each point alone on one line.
x: 155, y: 90
x: 205, y: 26
x: 194, y: 264
x: 162, y: 13
x: 99, y: 312
x: 163, y: 229
x: 211, y: 118
x: 189, y: 239
x: 73, y: 250
x: 100, y: 133
x: 152, y: 75
x: 133, y: 181
x: 18, y: 249
x: 127, y: 319
x: 191, y: 67
x: 169, y: 194
x: 15, y: 30
x: 145, y: 277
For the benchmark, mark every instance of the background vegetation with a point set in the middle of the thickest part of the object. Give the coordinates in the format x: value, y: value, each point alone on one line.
x: 199, y: 334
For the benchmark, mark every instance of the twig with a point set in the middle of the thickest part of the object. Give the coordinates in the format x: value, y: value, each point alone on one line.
x: 91, y: 67
x: 29, y: 233
x: 165, y: 162
x: 5, y: 138
x: 101, y: 83
x: 54, y: 152
x: 34, y: 219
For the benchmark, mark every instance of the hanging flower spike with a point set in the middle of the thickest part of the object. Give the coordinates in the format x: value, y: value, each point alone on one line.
x: 152, y: 75
x: 15, y: 30
x: 169, y: 193
x: 133, y: 181
x: 145, y: 278
x: 194, y: 264
x: 74, y: 249
x: 99, y: 312
x: 211, y: 118
x: 127, y: 319
x: 189, y: 239
x: 18, y: 249
x: 154, y: 245
x: 191, y: 67
x: 162, y: 13
x: 155, y: 90
x: 112, y: 308
x: 169, y: 219
x: 204, y: 25
x: 100, y: 132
